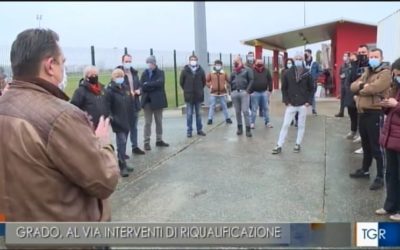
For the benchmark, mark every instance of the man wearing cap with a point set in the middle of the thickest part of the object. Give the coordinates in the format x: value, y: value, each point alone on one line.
x: 154, y: 100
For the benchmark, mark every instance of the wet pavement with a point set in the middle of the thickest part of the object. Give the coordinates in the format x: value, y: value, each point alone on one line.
x: 223, y: 177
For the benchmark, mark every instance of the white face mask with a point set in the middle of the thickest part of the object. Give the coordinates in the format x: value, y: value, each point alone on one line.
x: 64, y: 82
x: 218, y: 67
x: 193, y: 63
x: 127, y: 65
x: 150, y: 66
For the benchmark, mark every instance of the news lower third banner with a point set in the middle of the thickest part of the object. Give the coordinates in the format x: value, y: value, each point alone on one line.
x: 178, y: 234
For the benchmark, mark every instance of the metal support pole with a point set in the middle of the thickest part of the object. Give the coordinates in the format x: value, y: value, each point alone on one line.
x: 176, y: 80
x: 92, y: 53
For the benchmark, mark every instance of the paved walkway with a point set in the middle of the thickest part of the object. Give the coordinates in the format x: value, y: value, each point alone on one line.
x: 224, y: 177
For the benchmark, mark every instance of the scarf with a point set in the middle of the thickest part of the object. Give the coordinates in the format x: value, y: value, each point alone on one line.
x: 259, y: 69
x: 238, y: 69
x: 95, y: 88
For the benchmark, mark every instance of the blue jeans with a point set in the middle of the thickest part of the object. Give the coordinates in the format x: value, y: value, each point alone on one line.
x: 213, y: 102
x: 259, y: 98
x: 121, y: 138
x: 133, y: 129
x: 190, y: 108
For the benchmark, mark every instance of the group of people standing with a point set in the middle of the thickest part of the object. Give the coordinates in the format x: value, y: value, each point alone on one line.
x: 370, y: 92
x: 121, y: 100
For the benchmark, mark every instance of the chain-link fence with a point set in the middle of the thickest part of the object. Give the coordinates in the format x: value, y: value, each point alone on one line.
x: 106, y: 59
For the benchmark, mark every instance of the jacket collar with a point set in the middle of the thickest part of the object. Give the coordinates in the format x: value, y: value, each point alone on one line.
x: 40, y: 85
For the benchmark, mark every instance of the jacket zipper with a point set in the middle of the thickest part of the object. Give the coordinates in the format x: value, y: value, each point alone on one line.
x: 218, y: 83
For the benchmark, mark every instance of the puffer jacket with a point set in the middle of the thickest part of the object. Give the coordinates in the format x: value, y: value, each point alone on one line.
x: 218, y: 83
x: 55, y: 169
x: 390, y: 134
x: 369, y: 96
x: 93, y: 104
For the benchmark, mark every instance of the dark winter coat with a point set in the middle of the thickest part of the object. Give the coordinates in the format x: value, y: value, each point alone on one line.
x: 346, y: 74
x: 86, y: 100
x: 136, y: 85
x: 242, y: 80
x: 390, y: 134
x: 154, y: 89
x: 192, y: 84
x: 119, y: 103
x: 297, y: 93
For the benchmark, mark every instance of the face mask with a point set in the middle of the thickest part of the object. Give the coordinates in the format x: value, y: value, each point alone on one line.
x: 289, y: 65
x: 127, y: 65
x: 250, y: 59
x: 193, y: 63
x: 150, y: 66
x: 93, y: 79
x: 298, y: 63
x: 374, y: 63
x: 396, y: 79
x: 345, y: 59
x: 119, y: 80
x: 218, y: 67
x: 236, y: 64
x: 63, y: 84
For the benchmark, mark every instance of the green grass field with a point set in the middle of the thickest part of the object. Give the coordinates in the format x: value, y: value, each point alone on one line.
x: 105, y: 76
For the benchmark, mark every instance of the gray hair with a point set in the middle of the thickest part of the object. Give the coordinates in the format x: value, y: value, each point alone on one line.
x: 88, y: 69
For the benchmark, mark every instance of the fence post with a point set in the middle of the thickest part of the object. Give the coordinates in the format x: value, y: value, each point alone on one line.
x: 230, y: 62
x: 176, y: 80
x: 264, y: 59
x: 220, y: 56
x: 208, y: 57
x: 151, y: 51
x: 92, y: 54
x: 125, y: 51
x: 193, y: 53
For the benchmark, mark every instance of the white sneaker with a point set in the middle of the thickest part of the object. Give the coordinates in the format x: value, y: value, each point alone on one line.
x: 395, y: 217
x: 359, y: 151
x: 357, y: 139
x: 381, y: 211
x: 269, y: 125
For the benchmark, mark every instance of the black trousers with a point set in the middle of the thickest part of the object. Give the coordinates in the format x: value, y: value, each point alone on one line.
x: 369, y: 128
x: 353, y: 114
x: 342, y: 94
x: 392, y: 202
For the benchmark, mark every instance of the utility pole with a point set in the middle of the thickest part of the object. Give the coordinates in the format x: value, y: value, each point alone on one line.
x: 39, y: 18
x: 305, y: 21
x: 200, y: 40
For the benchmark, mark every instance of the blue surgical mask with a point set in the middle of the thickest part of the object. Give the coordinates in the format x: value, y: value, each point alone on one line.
x: 298, y: 63
x: 289, y: 65
x: 119, y: 80
x: 374, y: 62
x: 127, y: 65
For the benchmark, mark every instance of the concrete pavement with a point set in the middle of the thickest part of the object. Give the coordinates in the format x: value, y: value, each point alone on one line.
x: 228, y: 178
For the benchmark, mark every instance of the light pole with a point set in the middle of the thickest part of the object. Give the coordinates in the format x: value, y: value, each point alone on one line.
x: 305, y: 22
x: 39, y: 18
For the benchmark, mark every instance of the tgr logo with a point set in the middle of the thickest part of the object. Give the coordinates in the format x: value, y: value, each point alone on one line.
x: 368, y: 234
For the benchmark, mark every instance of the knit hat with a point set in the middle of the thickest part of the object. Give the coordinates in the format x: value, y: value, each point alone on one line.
x: 151, y: 59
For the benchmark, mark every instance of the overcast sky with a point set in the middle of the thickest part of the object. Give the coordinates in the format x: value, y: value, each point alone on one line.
x: 169, y: 25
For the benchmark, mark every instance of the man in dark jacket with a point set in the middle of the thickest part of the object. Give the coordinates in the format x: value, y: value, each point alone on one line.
x: 89, y: 96
x: 154, y: 100
x: 344, y: 71
x: 315, y: 71
x: 297, y: 94
x: 120, y: 109
x: 261, y: 90
x: 192, y: 81
x: 133, y: 83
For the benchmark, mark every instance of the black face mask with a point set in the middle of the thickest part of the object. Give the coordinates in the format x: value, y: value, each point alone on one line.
x: 362, y: 60
x: 93, y: 79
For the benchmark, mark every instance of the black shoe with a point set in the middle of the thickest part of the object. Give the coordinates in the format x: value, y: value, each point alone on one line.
x: 292, y: 123
x: 296, y: 148
x: 248, y: 132
x: 162, y: 144
x: 138, y: 151
x: 209, y: 122
x: 126, y: 157
x: 189, y: 135
x: 377, y: 184
x: 147, y: 146
x: 296, y: 124
x: 201, y: 133
x: 339, y: 115
x: 276, y: 150
x: 229, y: 121
x: 123, y: 169
x: 240, y: 130
x: 314, y: 112
x: 359, y: 173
